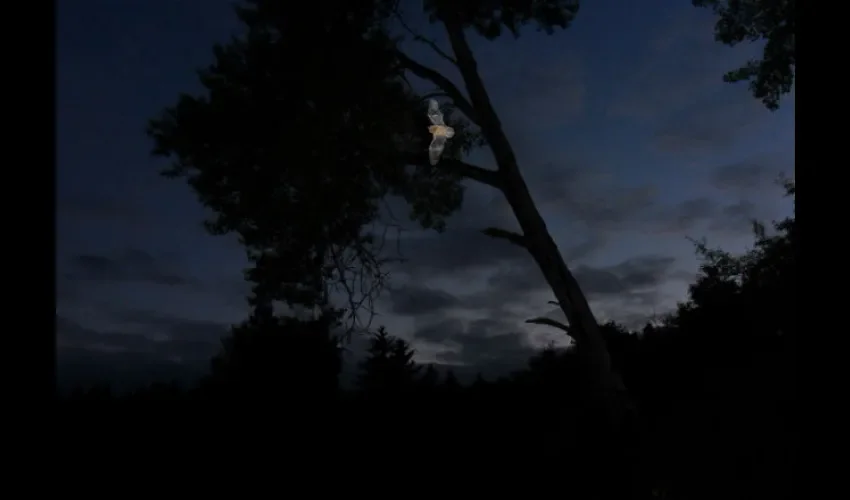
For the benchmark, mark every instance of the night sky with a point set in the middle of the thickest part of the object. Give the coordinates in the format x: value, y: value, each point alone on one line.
x: 629, y: 139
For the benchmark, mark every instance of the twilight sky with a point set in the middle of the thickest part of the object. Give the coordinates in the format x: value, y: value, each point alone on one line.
x: 628, y: 138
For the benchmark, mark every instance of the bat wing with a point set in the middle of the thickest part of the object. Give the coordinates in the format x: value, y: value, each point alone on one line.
x: 434, y: 113
x: 436, y: 149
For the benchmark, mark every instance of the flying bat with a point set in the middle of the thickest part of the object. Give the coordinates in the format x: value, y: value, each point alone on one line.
x: 439, y: 130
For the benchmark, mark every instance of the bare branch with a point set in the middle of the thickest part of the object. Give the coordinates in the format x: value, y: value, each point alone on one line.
x: 515, y: 238
x: 426, y: 41
x: 463, y: 169
x: 552, y: 323
x: 441, y: 81
x: 436, y: 93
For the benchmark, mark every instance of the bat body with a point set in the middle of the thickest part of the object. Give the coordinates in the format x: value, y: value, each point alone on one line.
x: 439, y: 130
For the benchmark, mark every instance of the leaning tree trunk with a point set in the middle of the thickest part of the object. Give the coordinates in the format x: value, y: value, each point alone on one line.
x: 604, y: 383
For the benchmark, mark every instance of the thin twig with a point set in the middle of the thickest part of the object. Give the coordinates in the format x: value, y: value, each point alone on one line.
x: 426, y: 41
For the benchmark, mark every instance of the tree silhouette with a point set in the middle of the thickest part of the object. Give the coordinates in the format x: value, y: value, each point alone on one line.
x: 354, y: 143
x: 487, y: 18
x: 751, y: 20
x: 717, y: 377
x: 388, y: 369
x: 430, y: 378
x: 294, y: 161
x: 268, y: 360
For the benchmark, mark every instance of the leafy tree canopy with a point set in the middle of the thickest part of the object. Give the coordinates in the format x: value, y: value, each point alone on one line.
x: 304, y: 126
x: 751, y: 20
x: 490, y: 17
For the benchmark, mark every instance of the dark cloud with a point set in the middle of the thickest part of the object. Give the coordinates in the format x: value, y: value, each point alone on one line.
x: 130, y: 265
x: 515, y: 293
x: 441, y: 331
x: 737, y: 217
x: 165, y: 336
x: 628, y: 276
x: 577, y: 194
x: 456, y: 251
x: 166, y: 349
x: 418, y: 300
x: 489, y: 344
x: 584, y: 195
x: 709, y: 124
x: 685, y: 215
x: 710, y: 214
x: 744, y: 176
x: 518, y: 280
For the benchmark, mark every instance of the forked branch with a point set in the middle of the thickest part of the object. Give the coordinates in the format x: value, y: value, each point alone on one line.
x: 440, y: 81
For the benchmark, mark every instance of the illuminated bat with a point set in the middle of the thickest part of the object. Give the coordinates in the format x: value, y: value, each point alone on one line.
x: 439, y: 130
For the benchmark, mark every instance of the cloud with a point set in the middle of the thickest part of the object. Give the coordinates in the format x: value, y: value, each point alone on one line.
x: 129, y: 265
x: 163, y: 336
x: 582, y: 196
x: 488, y: 344
x: 628, y: 276
x: 419, y: 300
x: 709, y: 124
x: 165, y: 349
x: 686, y: 214
x: 737, y: 217
x: 456, y: 251
x: 581, y: 191
x: 703, y: 213
x: 745, y: 176
x: 488, y: 327
x: 441, y: 331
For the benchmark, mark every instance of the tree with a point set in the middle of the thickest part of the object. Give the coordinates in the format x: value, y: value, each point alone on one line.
x: 430, y: 378
x: 723, y: 363
x: 259, y: 179
x: 293, y: 161
x: 488, y: 18
x: 751, y: 20
x: 268, y: 359
x: 389, y: 369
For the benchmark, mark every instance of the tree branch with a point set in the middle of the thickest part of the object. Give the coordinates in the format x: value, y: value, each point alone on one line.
x: 463, y: 169
x: 552, y: 323
x: 515, y: 238
x: 441, y: 81
x: 426, y: 41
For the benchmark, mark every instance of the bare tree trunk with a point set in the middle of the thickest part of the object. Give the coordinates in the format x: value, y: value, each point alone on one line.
x: 605, y: 384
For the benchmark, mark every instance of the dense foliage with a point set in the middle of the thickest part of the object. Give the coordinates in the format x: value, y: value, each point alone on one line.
x: 771, y: 21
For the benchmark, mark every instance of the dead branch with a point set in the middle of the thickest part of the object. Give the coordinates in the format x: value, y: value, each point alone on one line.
x: 515, y: 238
x: 552, y: 323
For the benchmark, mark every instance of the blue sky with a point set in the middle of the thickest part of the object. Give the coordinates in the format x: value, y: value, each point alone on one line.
x: 629, y: 139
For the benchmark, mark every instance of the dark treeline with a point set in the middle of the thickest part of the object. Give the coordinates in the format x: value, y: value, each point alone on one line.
x: 714, y: 381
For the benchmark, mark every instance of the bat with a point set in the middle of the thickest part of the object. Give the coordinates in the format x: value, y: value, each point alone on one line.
x: 439, y: 130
